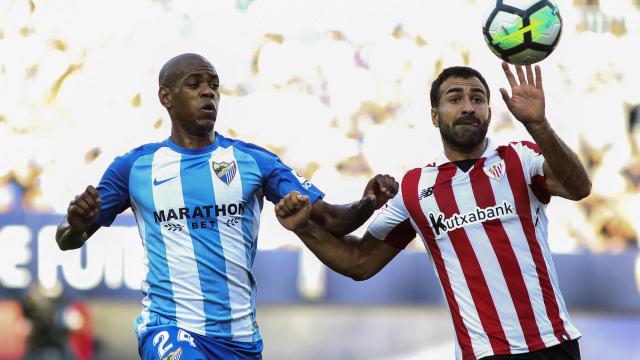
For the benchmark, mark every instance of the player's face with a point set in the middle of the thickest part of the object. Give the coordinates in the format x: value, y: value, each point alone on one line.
x: 463, y: 113
x: 195, y: 97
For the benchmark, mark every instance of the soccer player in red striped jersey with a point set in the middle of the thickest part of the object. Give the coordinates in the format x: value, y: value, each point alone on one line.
x: 479, y: 208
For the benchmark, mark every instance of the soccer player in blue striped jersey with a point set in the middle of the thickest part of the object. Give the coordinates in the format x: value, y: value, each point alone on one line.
x: 197, y: 197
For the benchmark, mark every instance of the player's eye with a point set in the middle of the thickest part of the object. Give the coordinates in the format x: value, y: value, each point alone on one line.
x: 454, y: 100
x: 214, y: 86
x: 193, y: 85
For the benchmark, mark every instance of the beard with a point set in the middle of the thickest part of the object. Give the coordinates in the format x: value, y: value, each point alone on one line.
x: 464, y: 138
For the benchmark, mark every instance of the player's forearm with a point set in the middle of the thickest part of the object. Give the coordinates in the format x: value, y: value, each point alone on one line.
x: 69, y: 238
x: 340, y: 254
x: 341, y: 220
x: 562, y: 161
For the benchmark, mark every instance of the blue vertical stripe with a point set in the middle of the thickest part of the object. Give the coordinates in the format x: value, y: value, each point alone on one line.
x: 160, y: 293
x: 251, y: 191
x: 251, y: 181
x: 197, y: 190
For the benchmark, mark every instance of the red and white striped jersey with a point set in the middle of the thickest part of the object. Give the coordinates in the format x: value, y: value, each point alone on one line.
x: 486, y: 232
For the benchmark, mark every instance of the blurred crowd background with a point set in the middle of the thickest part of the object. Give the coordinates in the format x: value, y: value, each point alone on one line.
x: 338, y: 89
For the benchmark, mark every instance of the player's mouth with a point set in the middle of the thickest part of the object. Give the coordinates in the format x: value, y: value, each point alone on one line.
x: 468, y: 120
x: 208, y: 107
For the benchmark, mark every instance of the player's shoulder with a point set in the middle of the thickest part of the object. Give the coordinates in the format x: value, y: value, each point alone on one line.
x: 141, y: 150
x: 126, y: 160
x: 520, y: 147
x: 253, y: 150
x: 417, y: 171
x: 523, y: 145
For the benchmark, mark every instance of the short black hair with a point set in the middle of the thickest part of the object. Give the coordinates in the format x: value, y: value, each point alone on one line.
x: 464, y: 72
x: 171, y: 69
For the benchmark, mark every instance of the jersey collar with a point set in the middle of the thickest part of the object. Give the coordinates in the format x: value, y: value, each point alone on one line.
x: 182, y: 150
x: 442, y: 159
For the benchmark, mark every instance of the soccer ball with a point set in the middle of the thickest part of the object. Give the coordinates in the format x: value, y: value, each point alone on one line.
x: 522, y: 32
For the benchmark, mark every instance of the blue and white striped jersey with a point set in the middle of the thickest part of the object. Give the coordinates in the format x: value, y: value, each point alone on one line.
x: 198, y: 213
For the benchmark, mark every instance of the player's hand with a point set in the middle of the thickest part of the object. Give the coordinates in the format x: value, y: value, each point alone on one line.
x: 379, y: 190
x: 526, y: 102
x: 84, y: 209
x: 294, y: 211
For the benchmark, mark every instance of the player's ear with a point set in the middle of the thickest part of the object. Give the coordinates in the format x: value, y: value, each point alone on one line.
x: 434, y: 117
x: 164, y: 94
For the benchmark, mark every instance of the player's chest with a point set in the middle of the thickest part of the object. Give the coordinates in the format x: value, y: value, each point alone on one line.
x: 451, y: 199
x: 195, y: 182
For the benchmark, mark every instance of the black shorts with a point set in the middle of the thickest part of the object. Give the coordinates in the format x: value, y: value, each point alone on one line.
x: 568, y: 350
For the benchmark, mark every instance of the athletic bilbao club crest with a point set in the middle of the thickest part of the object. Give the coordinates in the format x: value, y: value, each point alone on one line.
x: 225, y: 171
x: 495, y: 171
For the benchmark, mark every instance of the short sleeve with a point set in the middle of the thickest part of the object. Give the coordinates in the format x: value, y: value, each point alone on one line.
x: 278, y: 179
x: 533, y: 162
x: 281, y: 180
x: 393, y: 225
x: 114, y: 191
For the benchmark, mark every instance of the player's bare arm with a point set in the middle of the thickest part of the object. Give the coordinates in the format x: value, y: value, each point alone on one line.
x: 357, y: 258
x: 565, y: 175
x: 340, y: 220
x: 79, y: 225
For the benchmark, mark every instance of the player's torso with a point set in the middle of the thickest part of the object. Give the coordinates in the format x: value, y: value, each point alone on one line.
x: 468, y: 204
x: 485, y: 232
x: 196, y: 193
x: 198, y: 216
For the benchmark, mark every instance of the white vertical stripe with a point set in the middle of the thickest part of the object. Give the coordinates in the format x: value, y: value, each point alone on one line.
x: 540, y: 221
x: 255, y: 215
x: 518, y: 239
x: 468, y: 312
x: 146, y: 301
x: 183, y: 269
x: 491, y: 269
x: 235, y: 255
x: 542, y: 233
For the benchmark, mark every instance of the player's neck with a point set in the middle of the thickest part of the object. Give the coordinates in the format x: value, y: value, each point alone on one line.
x: 454, y: 154
x: 190, y: 141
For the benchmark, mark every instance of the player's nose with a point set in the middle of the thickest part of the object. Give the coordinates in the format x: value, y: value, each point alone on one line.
x: 207, y: 91
x: 467, y: 106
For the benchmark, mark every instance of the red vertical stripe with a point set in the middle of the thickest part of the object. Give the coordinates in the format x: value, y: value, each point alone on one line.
x: 499, y: 239
x: 518, y: 184
x: 411, y: 202
x: 471, y: 269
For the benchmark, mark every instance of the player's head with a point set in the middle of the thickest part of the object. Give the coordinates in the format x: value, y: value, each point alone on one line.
x: 460, y: 107
x: 189, y: 91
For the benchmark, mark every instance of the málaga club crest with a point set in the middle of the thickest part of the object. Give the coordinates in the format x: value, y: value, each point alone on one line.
x: 225, y: 171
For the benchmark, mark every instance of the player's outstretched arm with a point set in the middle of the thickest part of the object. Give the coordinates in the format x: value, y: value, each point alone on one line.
x: 78, y: 225
x: 565, y: 175
x: 341, y: 220
x: 351, y: 256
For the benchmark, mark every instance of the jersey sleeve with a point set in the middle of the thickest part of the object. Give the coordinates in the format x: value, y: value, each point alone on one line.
x: 393, y: 225
x: 114, y: 191
x: 278, y: 179
x: 281, y: 179
x: 533, y: 161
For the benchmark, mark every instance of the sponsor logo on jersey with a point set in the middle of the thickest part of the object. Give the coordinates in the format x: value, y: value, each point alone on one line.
x: 425, y: 193
x: 200, y: 216
x: 225, y: 171
x: 173, y: 227
x: 305, y: 183
x: 478, y: 215
x: 157, y: 182
x: 495, y: 171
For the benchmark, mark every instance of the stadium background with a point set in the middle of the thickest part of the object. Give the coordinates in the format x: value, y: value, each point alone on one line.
x: 339, y: 89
